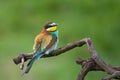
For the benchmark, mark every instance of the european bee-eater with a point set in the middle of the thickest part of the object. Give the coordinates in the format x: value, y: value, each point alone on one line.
x: 45, y: 43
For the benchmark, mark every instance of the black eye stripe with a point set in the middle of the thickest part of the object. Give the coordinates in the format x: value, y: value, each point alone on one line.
x: 50, y: 24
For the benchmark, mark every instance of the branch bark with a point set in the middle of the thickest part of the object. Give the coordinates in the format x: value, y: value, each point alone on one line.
x: 95, y: 63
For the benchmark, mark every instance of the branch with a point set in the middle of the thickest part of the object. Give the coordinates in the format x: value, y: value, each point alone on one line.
x: 57, y: 52
x: 95, y: 63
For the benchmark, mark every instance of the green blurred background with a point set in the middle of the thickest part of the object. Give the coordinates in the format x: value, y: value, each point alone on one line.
x: 22, y: 20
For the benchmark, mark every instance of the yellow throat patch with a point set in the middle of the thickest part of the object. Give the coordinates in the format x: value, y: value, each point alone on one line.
x: 51, y: 29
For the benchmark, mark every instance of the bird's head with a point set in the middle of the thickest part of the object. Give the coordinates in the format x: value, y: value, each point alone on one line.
x: 50, y: 26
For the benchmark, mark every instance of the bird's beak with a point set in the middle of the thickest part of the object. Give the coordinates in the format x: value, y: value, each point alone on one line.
x: 51, y: 29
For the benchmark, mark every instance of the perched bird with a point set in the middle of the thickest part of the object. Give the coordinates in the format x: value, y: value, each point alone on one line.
x: 45, y: 43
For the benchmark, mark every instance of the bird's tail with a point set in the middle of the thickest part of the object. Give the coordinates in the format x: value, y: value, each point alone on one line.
x: 29, y: 65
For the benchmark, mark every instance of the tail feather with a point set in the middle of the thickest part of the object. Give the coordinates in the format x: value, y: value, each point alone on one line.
x: 29, y: 65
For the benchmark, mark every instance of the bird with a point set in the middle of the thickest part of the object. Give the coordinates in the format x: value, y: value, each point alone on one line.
x: 45, y: 42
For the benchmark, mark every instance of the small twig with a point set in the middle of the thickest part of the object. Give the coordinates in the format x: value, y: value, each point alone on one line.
x: 97, y: 59
x: 95, y: 63
x: 87, y: 65
x: 116, y: 75
x: 22, y: 63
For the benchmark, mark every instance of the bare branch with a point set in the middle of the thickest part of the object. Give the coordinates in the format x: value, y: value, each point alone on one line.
x: 95, y: 63
x: 57, y: 52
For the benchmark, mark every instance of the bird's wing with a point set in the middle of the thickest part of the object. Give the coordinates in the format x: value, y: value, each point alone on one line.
x: 43, y: 42
x: 52, y: 42
x: 37, y: 42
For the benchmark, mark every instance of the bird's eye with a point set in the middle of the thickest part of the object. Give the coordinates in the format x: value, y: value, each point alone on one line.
x: 50, y: 24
